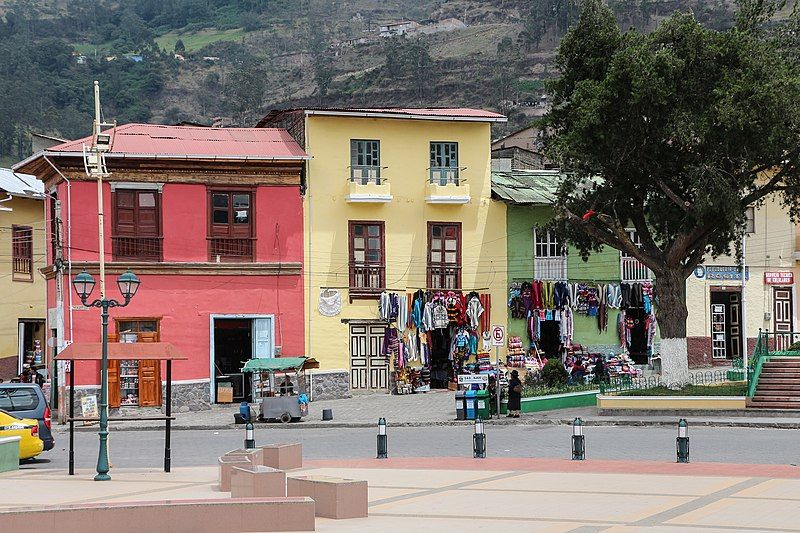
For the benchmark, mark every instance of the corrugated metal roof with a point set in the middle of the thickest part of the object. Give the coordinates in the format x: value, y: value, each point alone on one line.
x: 187, y: 141
x: 18, y: 184
x: 427, y: 113
x: 526, y: 187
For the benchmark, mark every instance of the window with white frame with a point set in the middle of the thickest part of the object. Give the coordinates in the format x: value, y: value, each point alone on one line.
x: 631, y: 269
x: 549, y: 256
x: 750, y: 220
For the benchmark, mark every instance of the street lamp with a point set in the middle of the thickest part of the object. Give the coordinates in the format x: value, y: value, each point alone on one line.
x: 84, y: 285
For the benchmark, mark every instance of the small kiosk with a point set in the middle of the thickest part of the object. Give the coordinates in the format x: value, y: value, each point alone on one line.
x: 279, y: 385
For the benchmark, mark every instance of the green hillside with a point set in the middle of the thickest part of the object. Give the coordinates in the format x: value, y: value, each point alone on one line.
x: 276, y: 53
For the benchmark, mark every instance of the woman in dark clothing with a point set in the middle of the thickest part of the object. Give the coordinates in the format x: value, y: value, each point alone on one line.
x: 514, y: 395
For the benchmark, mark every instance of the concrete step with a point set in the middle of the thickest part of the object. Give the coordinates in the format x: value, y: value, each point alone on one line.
x: 778, y: 387
x: 779, y: 374
x: 772, y: 406
x: 777, y: 399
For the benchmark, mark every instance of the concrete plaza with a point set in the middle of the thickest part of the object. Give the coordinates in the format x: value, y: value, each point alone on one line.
x: 512, y: 494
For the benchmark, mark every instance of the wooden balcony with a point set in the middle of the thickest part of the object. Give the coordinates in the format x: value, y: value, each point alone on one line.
x: 367, y: 280
x: 136, y: 248
x: 229, y: 249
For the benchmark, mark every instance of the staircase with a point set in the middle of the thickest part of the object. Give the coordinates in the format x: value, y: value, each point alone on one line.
x: 778, y: 385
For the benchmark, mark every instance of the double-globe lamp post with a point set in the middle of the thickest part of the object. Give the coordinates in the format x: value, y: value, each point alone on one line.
x: 84, y: 285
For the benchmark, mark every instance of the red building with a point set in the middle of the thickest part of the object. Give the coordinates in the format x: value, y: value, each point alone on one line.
x: 211, y: 221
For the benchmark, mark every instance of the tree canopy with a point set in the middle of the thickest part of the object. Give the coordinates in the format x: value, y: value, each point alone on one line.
x: 674, y: 133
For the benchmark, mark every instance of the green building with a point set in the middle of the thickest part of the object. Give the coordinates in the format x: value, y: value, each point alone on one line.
x: 535, y: 254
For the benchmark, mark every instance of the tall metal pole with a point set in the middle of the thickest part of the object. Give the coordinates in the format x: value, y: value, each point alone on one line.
x: 743, y: 313
x: 102, y: 458
x: 497, y: 378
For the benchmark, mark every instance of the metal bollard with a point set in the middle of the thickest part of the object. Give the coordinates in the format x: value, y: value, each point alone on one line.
x: 249, y: 436
x: 383, y: 443
x: 479, y: 440
x: 578, y: 442
x: 683, y: 441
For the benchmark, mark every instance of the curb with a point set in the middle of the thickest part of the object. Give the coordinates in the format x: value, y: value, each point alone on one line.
x: 454, y: 423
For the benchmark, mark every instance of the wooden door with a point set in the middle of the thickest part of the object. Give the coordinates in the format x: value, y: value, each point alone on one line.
x: 369, y: 369
x: 113, y: 376
x: 149, y: 375
x: 782, y: 317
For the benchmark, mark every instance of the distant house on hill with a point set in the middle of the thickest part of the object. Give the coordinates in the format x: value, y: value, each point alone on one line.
x: 520, y: 150
x: 394, y: 29
x: 448, y: 24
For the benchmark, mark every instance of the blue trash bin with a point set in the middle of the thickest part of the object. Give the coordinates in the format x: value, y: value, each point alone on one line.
x: 471, y: 400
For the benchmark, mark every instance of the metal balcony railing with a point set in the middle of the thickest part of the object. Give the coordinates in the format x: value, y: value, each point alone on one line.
x: 631, y: 269
x: 365, y: 175
x: 550, y: 268
x: 444, y: 176
x: 138, y: 248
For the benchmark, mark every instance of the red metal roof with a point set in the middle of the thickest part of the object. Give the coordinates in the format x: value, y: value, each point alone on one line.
x: 187, y: 141
x: 92, y: 351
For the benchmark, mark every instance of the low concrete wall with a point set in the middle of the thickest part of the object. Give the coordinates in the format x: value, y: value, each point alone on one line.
x: 219, y: 515
x: 555, y: 401
x: 329, y: 384
x: 671, y: 403
x: 9, y: 454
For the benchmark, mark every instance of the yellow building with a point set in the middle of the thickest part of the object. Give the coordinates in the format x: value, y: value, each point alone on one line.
x: 396, y: 200
x: 22, y: 288
x: 714, y: 292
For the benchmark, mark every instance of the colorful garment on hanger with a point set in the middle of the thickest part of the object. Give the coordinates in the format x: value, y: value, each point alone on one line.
x: 402, y: 312
x: 474, y: 310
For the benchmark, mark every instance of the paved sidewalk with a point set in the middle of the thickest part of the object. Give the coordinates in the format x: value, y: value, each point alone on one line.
x: 511, y: 494
x: 438, y: 408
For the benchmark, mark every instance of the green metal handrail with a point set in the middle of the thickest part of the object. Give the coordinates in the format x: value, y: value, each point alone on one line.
x: 762, y: 354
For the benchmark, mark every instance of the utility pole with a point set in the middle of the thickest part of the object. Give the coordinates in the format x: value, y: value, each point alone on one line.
x: 743, y: 313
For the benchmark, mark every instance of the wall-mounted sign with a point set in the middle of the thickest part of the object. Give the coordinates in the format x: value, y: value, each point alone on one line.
x: 469, y: 379
x: 779, y: 278
x: 721, y: 272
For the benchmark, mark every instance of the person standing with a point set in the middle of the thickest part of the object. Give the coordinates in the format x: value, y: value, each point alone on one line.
x: 514, y: 395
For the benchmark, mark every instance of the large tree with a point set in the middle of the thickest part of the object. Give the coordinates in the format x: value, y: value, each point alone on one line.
x: 674, y: 133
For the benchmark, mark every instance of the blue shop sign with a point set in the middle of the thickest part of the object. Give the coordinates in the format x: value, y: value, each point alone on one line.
x: 721, y: 273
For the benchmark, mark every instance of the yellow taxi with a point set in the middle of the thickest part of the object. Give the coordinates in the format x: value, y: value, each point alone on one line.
x: 30, y: 445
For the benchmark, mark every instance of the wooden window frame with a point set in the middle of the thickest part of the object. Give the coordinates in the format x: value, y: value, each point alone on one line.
x: 115, y: 236
x: 17, y: 275
x: 442, y: 264
x: 437, y: 172
x: 354, y: 162
x: 210, y: 237
x: 156, y: 319
x: 366, y: 292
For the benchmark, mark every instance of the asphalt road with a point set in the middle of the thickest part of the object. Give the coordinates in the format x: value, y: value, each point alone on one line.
x: 136, y: 449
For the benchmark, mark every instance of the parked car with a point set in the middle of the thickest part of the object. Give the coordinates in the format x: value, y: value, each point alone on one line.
x: 30, y: 445
x: 26, y: 400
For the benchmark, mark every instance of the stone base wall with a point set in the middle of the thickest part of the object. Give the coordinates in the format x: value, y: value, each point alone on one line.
x: 329, y: 384
x: 185, y: 397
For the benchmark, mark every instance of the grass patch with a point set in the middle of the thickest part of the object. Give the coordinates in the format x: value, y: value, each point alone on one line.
x: 727, y: 389
x: 197, y: 40
x: 88, y: 49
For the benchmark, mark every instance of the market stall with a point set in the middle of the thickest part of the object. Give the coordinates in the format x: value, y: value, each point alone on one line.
x: 279, y: 386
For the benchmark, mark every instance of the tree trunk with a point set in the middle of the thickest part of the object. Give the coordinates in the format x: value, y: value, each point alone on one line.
x: 671, y: 313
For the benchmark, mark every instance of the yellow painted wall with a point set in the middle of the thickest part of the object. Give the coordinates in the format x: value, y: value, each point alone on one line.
x: 770, y: 249
x: 20, y: 299
x: 405, y: 153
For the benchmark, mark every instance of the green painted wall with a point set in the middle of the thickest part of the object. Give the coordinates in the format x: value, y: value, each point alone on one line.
x: 603, y: 266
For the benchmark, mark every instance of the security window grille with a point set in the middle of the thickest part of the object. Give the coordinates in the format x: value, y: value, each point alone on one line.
x: 444, y: 256
x: 365, y: 161
x: 22, y: 253
x: 230, y: 233
x: 444, y: 163
x: 631, y: 269
x: 367, y: 258
x: 550, y: 256
x: 137, y: 225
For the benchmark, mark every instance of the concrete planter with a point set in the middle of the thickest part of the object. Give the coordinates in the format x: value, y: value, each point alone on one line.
x: 555, y: 401
x: 671, y: 403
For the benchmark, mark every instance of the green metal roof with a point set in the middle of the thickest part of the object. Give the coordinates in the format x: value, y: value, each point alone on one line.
x: 526, y: 187
x: 279, y: 364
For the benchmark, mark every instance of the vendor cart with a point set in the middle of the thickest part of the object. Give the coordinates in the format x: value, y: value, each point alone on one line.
x: 279, y: 385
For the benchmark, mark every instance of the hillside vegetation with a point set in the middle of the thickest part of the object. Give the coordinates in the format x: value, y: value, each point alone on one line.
x: 231, y: 60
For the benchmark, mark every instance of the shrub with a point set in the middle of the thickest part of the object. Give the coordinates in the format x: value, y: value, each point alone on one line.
x: 553, y: 373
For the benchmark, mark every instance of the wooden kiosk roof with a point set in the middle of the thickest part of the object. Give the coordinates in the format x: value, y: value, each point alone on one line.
x: 92, y: 351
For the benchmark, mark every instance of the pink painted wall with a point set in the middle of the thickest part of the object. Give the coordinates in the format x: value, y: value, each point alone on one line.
x: 185, y: 303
